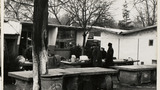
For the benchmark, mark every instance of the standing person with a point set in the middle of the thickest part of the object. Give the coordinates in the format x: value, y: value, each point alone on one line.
x: 96, y: 56
x: 109, y: 56
x: 99, y: 57
x: 103, y: 52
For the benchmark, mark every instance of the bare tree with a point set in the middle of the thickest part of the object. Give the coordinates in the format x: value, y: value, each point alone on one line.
x: 126, y: 23
x: 85, y: 13
x: 19, y: 9
x: 106, y: 20
x: 22, y: 10
x: 56, y: 8
x: 147, y: 11
x: 40, y: 41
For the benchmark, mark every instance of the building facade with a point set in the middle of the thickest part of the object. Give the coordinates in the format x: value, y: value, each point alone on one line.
x: 139, y: 44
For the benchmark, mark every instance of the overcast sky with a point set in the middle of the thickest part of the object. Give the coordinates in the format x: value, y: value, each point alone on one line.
x: 117, y: 7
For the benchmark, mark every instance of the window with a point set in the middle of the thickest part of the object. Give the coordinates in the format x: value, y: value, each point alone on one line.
x: 150, y: 42
x: 92, y: 34
x: 26, y: 41
x: 66, y: 39
x: 97, y: 34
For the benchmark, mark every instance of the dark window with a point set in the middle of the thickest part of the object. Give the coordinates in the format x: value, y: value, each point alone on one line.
x: 150, y: 42
x: 92, y: 34
x: 26, y: 41
x: 66, y: 39
x: 97, y: 33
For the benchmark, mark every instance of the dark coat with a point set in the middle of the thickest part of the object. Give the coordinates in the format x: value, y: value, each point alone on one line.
x: 96, y: 57
x: 103, y: 54
x: 109, y: 57
x: 28, y: 54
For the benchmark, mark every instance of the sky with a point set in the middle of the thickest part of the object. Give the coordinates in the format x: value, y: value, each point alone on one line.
x: 116, y: 9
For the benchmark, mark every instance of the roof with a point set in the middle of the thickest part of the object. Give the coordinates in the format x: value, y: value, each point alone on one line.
x: 140, y: 29
x: 54, y: 25
x: 10, y: 29
x: 124, y: 32
x: 111, y: 30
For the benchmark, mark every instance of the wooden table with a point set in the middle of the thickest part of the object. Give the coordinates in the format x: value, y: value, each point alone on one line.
x: 68, y: 79
x: 136, y: 74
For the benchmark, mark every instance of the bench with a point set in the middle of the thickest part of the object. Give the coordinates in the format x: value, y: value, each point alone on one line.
x: 136, y: 74
x: 68, y: 79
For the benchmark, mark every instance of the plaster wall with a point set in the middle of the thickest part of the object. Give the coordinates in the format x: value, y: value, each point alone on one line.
x: 52, y: 36
x: 134, y: 45
x: 79, y: 38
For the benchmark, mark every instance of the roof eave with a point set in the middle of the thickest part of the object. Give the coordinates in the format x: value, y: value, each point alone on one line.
x: 55, y: 25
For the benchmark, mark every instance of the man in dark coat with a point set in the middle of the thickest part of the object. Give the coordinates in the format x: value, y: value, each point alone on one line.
x: 109, y: 56
x: 103, y: 52
x: 96, y: 56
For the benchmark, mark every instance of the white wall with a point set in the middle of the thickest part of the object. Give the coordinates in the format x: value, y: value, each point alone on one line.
x: 104, y: 44
x: 79, y: 38
x: 128, y: 48
x: 148, y: 53
x: 52, y: 36
x: 12, y: 27
x: 134, y: 45
x: 112, y: 38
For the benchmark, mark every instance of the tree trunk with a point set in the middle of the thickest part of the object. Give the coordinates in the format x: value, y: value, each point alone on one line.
x: 40, y: 41
x: 84, y: 39
x: 148, y: 13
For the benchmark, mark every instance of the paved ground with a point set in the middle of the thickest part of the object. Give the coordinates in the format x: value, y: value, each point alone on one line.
x: 116, y: 86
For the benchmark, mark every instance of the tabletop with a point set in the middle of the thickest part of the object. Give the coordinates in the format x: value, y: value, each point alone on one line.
x: 115, y: 61
x: 135, y: 67
x: 28, y: 75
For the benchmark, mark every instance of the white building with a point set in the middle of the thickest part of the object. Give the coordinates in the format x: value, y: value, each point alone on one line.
x: 139, y: 44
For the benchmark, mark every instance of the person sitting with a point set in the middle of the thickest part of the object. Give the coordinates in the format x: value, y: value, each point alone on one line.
x: 21, y: 60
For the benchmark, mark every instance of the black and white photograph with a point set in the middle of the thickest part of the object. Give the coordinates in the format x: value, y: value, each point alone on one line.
x: 0, y: 52
x: 79, y: 45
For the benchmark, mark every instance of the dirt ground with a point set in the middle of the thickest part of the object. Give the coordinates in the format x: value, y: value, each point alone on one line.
x: 151, y: 86
x: 116, y: 86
